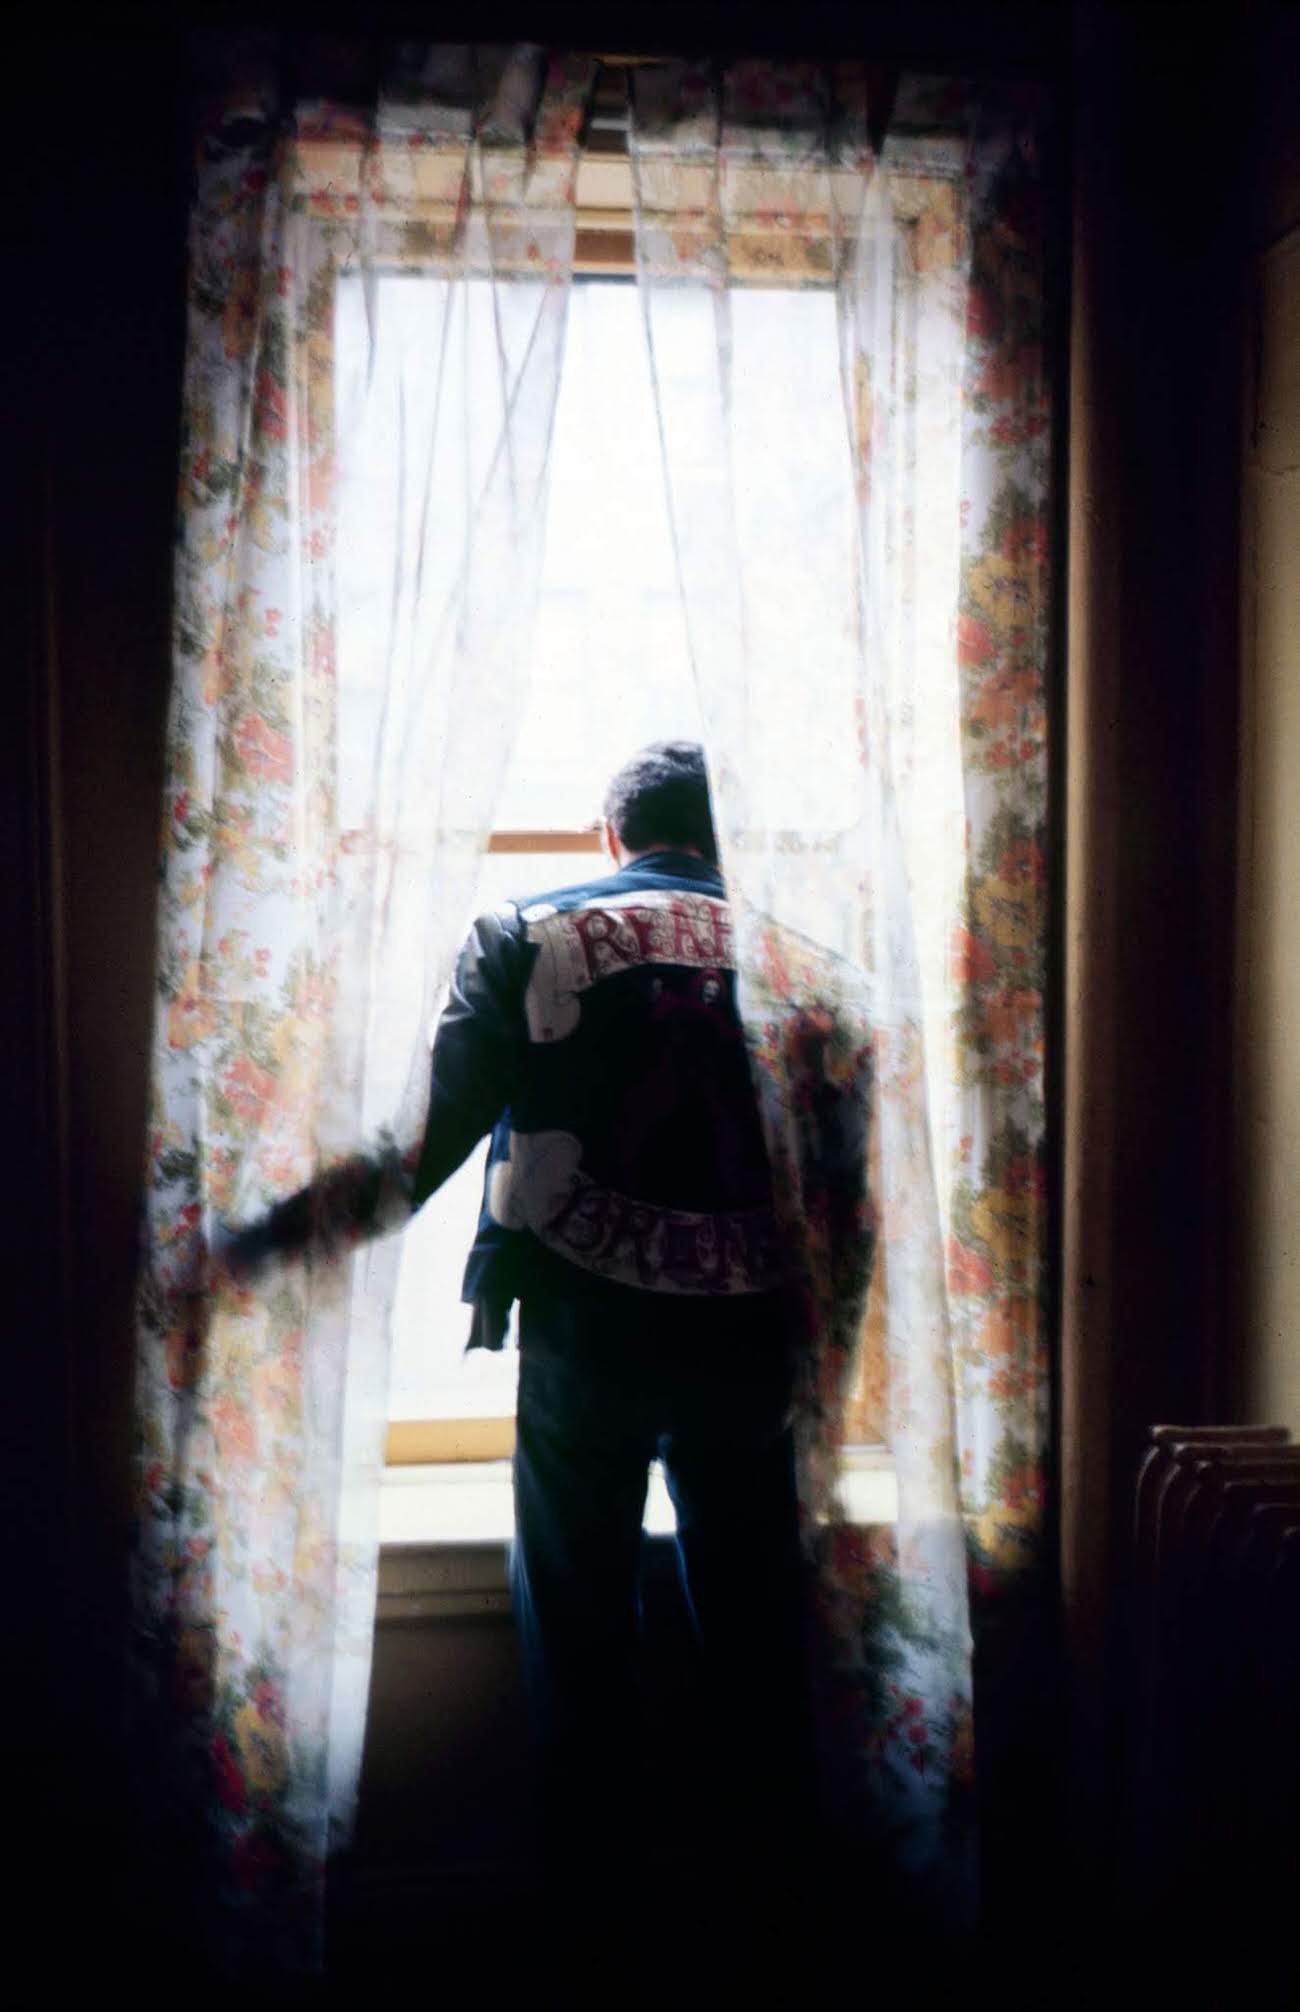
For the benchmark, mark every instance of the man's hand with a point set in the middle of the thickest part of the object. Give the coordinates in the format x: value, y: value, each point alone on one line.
x: 363, y: 1197
x: 237, y: 1254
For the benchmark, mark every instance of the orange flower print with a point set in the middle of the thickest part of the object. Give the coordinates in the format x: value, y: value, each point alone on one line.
x: 272, y: 408
x: 264, y: 752
x: 864, y: 404
x: 1004, y: 1220
x: 210, y: 675
x: 320, y: 661
x: 262, y: 1748
x: 1006, y: 1537
x: 277, y: 1388
x: 310, y: 994
x: 1000, y: 590
x: 190, y: 1016
x: 239, y: 317
x: 1022, y: 860
x: 1008, y: 1014
x: 1008, y: 1527
x: 320, y: 483
x: 1007, y: 1329
x: 972, y: 963
x: 974, y: 643
x: 774, y: 970
x: 248, y: 1089
x: 232, y: 1428
x: 1003, y: 699
x: 997, y: 379
x: 1004, y: 914
x: 1023, y: 1491
x: 269, y: 1703
x: 1013, y: 1383
x: 968, y: 1272
x: 1024, y: 542
x: 1025, y: 1175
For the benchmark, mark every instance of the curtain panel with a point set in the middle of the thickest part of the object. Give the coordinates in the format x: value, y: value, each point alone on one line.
x: 320, y: 840
x: 884, y: 840
x: 846, y: 348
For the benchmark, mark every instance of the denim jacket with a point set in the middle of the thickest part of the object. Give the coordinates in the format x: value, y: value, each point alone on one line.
x: 593, y: 1031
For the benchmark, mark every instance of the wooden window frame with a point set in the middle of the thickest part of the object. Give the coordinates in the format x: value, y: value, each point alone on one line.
x: 604, y: 244
x: 604, y: 239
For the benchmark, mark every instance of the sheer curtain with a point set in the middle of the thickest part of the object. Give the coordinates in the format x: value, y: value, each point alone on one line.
x: 348, y: 649
x: 862, y: 558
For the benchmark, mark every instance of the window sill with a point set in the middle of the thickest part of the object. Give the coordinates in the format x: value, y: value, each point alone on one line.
x: 443, y: 1530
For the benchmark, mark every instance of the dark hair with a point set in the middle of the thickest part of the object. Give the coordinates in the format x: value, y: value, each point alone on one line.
x: 661, y: 797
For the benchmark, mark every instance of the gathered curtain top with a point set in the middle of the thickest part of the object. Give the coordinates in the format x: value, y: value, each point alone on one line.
x: 743, y: 171
x: 756, y: 172
x: 434, y: 131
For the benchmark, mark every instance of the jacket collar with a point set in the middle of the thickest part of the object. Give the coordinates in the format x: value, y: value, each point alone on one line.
x: 674, y: 865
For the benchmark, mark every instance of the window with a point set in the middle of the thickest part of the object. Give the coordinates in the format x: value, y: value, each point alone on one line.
x: 610, y: 671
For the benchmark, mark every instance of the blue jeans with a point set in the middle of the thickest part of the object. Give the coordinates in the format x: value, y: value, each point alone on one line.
x: 706, y: 1389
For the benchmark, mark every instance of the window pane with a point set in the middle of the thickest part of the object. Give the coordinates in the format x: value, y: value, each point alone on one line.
x: 799, y: 536
x: 431, y: 1375
x: 611, y: 668
x: 610, y: 664
x: 420, y: 413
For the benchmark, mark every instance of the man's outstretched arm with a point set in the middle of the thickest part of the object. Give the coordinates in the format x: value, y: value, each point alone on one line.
x: 477, y: 1050
x: 475, y: 1060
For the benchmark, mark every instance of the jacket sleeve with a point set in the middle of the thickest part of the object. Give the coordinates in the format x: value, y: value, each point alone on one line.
x: 477, y: 1051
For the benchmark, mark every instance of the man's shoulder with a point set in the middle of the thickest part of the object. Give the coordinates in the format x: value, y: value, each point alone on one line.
x: 508, y: 927
x: 793, y: 973
x: 506, y: 924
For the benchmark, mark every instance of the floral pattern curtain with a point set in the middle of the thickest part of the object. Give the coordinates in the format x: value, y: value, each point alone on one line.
x: 877, y: 533
x: 331, y: 776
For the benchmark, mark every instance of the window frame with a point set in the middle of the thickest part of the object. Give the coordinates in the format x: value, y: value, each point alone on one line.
x: 605, y: 247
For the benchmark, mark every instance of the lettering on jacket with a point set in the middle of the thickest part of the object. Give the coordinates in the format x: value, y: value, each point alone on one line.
x: 577, y: 947
x: 541, y: 1187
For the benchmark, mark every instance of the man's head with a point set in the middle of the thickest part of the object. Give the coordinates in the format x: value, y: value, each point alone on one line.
x: 661, y: 799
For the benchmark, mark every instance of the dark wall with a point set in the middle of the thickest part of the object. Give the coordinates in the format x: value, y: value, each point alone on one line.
x: 95, y: 208
x: 1162, y: 145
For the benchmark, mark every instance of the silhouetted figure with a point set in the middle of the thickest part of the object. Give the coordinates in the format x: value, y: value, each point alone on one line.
x: 593, y: 1032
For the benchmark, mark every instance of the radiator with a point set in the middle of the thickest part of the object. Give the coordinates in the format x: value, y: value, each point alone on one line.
x: 1214, y: 1756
